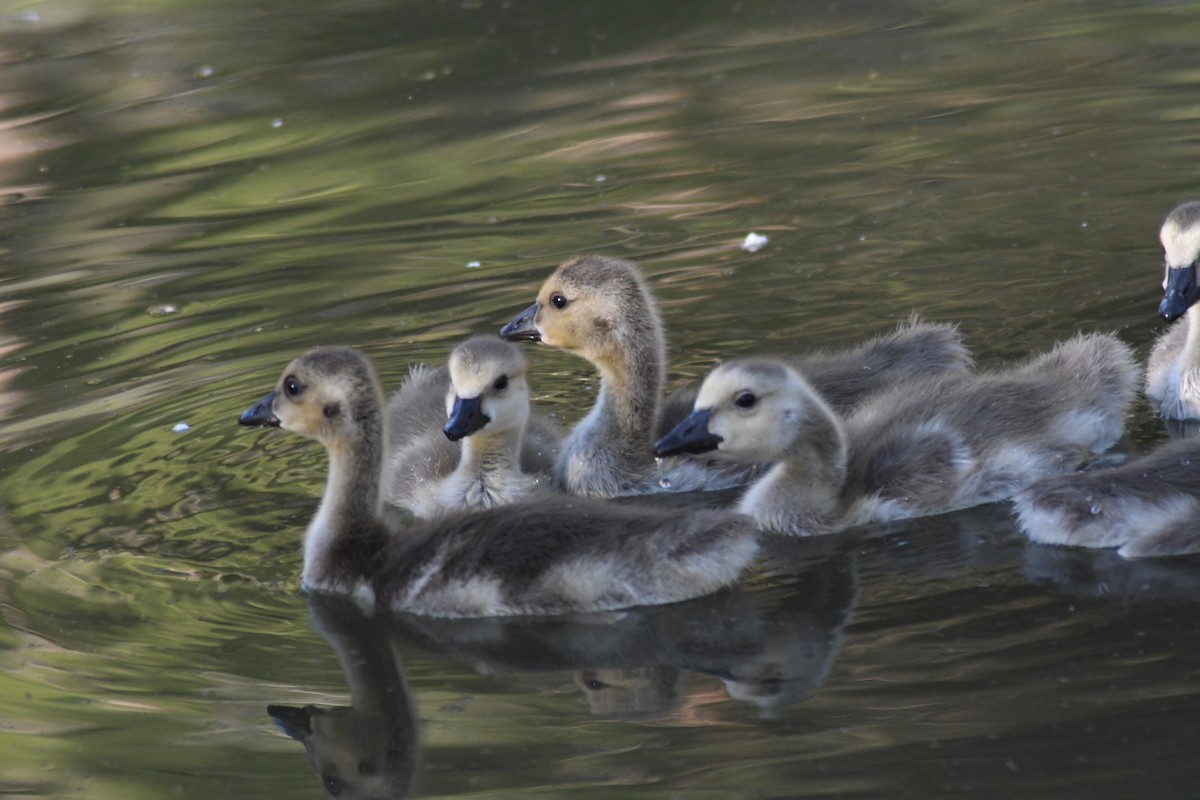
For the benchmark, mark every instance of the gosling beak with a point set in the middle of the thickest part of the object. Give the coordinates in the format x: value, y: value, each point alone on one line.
x: 295, y: 722
x: 1181, y: 292
x: 522, y: 328
x: 690, y: 436
x: 466, y: 417
x: 261, y: 414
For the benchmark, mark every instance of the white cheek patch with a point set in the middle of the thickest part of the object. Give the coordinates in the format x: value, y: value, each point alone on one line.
x: 505, y: 412
x: 718, y: 427
x: 740, y: 437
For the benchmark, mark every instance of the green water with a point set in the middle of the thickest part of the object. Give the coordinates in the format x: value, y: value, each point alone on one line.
x: 193, y: 193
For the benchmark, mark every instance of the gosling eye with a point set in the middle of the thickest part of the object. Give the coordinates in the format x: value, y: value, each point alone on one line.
x: 501, y: 383
x: 292, y: 386
x: 745, y: 399
x: 558, y: 301
x: 333, y: 784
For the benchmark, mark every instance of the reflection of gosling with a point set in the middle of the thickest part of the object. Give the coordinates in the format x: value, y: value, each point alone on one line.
x: 481, y: 457
x: 1149, y: 507
x: 370, y: 749
x: 600, y: 308
x: 1173, y: 371
x: 631, y: 692
x: 925, y: 447
x: 543, y: 557
x: 800, y: 633
x: 1104, y: 574
x: 350, y: 749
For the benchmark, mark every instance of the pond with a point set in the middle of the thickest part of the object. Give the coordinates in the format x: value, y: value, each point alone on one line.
x: 193, y: 193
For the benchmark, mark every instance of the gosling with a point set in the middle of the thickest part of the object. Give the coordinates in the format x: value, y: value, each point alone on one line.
x: 1173, y: 371
x: 487, y: 406
x: 924, y: 447
x: 1146, y: 508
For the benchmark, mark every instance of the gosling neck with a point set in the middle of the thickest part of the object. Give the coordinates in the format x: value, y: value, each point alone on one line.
x: 487, y: 456
x: 1190, y: 357
x: 816, y: 460
x: 382, y: 713
x: 632, y: 374
x: 802, y: 492
x: 350, y: 511
x: 365, y: 651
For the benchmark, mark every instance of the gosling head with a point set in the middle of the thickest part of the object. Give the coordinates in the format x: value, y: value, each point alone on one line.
x: 587, y: 306
x: 488, y: 388
x: 749, y: 410
x: 1180, y: 237
x: 330, y: 394
x: 356, y: 753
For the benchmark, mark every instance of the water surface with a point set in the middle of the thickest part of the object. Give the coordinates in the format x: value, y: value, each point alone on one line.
x: 195, y: 192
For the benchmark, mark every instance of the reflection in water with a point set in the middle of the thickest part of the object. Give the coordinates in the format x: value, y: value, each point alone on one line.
x: 286, y: 174
x: 631, y: 692
x: 1182, y: 428
x: 9, y: 397
x: 768, y: 649
x: 1103, y: 573
x: 370, y: 748
x: 22, y: 140
x: 802, y: 633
